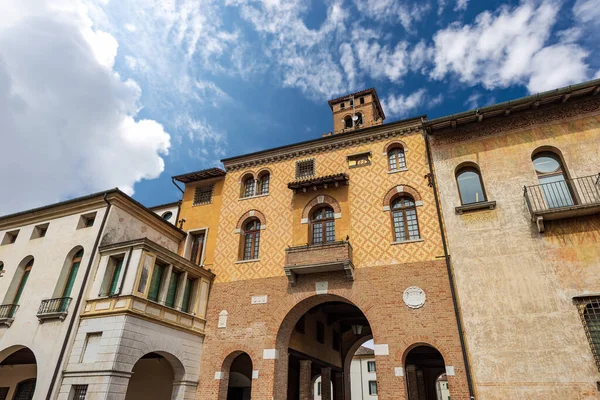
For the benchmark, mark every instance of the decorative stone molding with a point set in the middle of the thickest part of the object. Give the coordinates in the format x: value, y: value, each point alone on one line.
x: 398, y: 190
x: 318, y: 200
x: 250, y: 214
x: 395, y: 143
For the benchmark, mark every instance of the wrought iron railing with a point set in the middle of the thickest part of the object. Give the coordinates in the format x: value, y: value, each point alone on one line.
x: 584, y: 191
x: 54, y: 306
x: 8, y: 310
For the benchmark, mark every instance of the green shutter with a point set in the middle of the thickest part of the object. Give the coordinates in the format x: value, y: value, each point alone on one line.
x: 115, y: 277
x: 21, y: 287
x: 155, y: 282
x: 172, y: 292
x: 185, y: 306
x: 71, y: 279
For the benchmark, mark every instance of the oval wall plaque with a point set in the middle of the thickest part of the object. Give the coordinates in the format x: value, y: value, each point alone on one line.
x: 414, y: 297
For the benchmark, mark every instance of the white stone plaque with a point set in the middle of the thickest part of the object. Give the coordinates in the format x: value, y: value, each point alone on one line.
x: 399, y: 371
x: 259, y: 299
x: 449, y: 370
x: 255, y: 374
x: 414, y: 297
x: 223, y: 319
x: 321, y: 287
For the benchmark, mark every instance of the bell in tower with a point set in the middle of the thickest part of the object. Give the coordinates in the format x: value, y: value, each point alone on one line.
x: 355, y: 111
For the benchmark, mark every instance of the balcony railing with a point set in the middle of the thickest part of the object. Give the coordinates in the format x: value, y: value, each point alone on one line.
x: 7, y: 313
x: 54, y: 308
x: 317, y: 258
x: 563, y: 199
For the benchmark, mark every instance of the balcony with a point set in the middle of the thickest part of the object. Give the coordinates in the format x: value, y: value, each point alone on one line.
x: 7, y: 313
x: 312, y: 259
x: 563, y: 199
x: 54, y: 309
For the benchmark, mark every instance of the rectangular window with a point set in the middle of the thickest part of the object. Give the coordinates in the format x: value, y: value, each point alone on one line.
x: 148, y: 260
x: 10, y: 237
x: 320, y: 332
x: 91, y: 347
x: 155, y: 282
x: 112, y: 276
x: 79, y: 392
x: 318, y: 388
x: 172, y: 290
x: 589, y: 311
x: 370, y: 366
x: 39, y: 231
x: 197, y: 247
x: 305, y: 169
x: 86, y: 220
x: 203, y: 194
x: 359, y: 160
x: 372, y: 388
x: 187, y: 295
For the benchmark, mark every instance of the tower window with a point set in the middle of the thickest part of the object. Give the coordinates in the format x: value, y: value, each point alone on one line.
x: 342, y: 105
x: 362, y: 100
x: 348, y: 122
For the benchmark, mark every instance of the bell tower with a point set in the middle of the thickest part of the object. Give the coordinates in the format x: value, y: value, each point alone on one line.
x: 355, y: 111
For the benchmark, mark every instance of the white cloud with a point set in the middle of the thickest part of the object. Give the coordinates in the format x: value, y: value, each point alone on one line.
x: 586, y: 11
x: 461, y: 5
x: 130, y: 27
x: 506, y: 48
x: 402, y: 106
x: 392, y: 11
x: 68, y: 120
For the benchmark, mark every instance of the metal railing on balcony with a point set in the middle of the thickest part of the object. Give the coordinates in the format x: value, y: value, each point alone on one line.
x: 7, y: 311
x: 54, y: 306
x: 564, y: 194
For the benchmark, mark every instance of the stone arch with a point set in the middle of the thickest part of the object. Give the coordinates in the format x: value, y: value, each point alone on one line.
x: 228, y: 360
x: 421, y: 370
x: 467, y: 164
x: 348, y: 361
x: 553, y: 150
x: 413, y: 342
x: 24, y: 369
x: 400, y: 189
x: 167, y: 377
x: 251, y: 214
x: 318, y: 201
x: 262, y: 171
x: 394, y: 143
x: 246, y: 175
x: 284, y: 333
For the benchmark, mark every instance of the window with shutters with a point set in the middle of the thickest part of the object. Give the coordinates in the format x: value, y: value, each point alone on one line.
x: 172, y: 288
x: 71, y: 276
x: 186, y: 304
x: 203, y: 195
x: 197, y: 247
x: 79, y: 392
x: 22, y: 282
x: 305, y: 169
x: 112, y: 276
x: 158, y: 273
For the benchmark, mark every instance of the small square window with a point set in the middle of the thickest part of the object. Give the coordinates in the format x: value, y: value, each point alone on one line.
x: 362, y: 100
x: 10, y: 237
x: 359, y: 160
x: 86, y: 221
x: 79, y: 392
x: 320, y: 332
x: 372, y: 388
x: 39, y: 231
x: 203, y: 195
x: 342, y: 105
x: 305, y: 169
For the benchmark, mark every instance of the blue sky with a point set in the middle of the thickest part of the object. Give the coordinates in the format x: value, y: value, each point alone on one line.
x: 134, y: 92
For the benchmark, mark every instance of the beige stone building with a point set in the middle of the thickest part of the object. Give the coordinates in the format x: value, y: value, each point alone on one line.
x: 519, y: 186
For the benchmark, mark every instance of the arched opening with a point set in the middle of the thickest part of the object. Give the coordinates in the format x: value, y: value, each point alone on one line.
x: 251, y: 240
x: 153, y: 376
x: 18, y: 373
x: 470, y: 184
x: 404, y: 218
x: 553, y: 178
x: 248, y: 186
x: 320, y: 335
x: 239, y: 385
x: 15, y: 290
x: 441, y: 384
x: 264, y: 179
x: 423, y: 366
x: 348, y: 122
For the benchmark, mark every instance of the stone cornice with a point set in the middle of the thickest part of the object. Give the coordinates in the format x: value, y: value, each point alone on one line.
x: 334, y: 142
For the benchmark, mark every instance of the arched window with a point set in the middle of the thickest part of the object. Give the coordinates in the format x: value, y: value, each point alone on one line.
x: 348, y: 122
x: 552, y: 177
x: 470, y: 186
x: 359, y: 121
x: 263, y: 183
x: 248, y: 187
x: 74, y: 268
x: 404, y: 219
x: 396, y: 158
x: 323, y: 226
x: 167, y: 216
x: 251, y: 239
x: 23, y: 281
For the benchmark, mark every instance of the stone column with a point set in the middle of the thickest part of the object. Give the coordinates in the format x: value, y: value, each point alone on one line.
x: 326, y: 383
x: 338, y: 386
x: 421, y: 385
x: 184, y: 390
x: 411, y: 381
x: 305, y: 380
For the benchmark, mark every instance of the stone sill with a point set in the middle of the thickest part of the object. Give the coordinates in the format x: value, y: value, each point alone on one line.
x: 408, y: 241
x: 6, y: 321
x: 55, y: 315
x: 393, y: 171
x: 253, y: 197
x: 482, y: 205
x: 247, y: 261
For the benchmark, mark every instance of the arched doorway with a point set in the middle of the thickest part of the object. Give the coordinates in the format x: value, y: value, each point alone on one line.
x: 18, y: 373
x: 423, y: 366
x: 317, y: 335
x: 239, y: 386
x: 153, y: 377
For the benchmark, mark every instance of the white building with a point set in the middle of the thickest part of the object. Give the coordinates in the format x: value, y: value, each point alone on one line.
x: 94, y: 298
x: 169, y: 212
x: 363, y: 377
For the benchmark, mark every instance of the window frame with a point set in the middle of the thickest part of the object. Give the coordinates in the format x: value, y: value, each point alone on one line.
x: 371, y: 364
x: 254, y: 234
x: 593, y: 336
x: 400, y: 162
x: 323, y: 223
x: 79, y: 392
x: 470, y: 168
x: 300, y: 164
x: 404, y: 209
x: 199, y: 200
x: 197, y: 258
x: 372, y: 384
x: 264, y: 180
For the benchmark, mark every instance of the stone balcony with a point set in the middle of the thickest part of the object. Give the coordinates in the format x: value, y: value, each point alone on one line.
x: 318, y: 258
x: 563, y: 199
